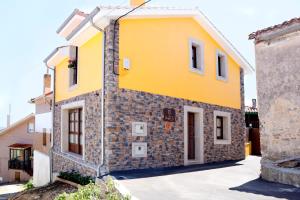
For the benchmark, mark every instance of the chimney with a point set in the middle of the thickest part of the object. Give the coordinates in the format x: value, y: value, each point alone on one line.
x: 253, y: 103
x: 135, y: 3
x: 47, y: 83
x: 8, y: 117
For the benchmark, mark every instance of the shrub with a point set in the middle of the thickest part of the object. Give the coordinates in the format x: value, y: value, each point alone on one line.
x: 94, y: 191
x: 28, y: 185
x: 76, y: 177
x: 89, y: 192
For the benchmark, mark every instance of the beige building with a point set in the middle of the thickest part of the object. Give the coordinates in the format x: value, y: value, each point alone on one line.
x: 16, y: 145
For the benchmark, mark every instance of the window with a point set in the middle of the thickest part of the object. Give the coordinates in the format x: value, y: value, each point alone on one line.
x: 16, y: 154
x: 221, y: 66
x: 73, y: 67
x: 75, y: 131
x: 30, y: 127
x: 222, y: 127
x: 44, y: 137
x: 72, y: 129
x: 196, y: 56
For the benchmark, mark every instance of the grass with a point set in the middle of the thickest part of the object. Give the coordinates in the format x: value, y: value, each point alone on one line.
x: 28, y: 185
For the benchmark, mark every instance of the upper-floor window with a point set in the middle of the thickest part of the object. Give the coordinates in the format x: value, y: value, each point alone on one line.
x: 30, y: 127
x: 196, y: 56
x: 222, y: 69
x: 73, y: 68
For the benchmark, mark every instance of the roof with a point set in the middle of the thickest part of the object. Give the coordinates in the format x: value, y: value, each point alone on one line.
x: 20, y: 146
x: 33, y: 100
x: 71, y: 16
x: 102, y: 15
x: 283, y: 25
x: 249, y: 109
x: 21, y: 121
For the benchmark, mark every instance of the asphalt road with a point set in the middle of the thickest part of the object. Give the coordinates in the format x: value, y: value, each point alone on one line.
x: 223, y: 181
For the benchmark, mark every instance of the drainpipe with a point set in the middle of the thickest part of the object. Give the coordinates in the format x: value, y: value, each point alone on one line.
x: 102, y: 92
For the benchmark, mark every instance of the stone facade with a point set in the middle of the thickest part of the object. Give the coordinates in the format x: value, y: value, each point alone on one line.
x: 165, y: 148
x: 122, y: 107
x: 64, y: 161
x: 278, y: 85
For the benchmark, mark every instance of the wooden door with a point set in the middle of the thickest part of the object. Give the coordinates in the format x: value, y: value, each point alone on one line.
x: 17, y: 176
x: 191, y: 136
x: 254, y: 137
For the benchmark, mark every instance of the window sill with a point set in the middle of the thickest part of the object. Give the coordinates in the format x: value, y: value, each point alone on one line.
x: 73, y: 87
x: 197, y: 71
x: 221, y: 78
x: 222, y: 141
x: 74, y: 155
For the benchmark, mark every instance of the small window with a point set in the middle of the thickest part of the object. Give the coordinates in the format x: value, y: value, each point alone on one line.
x: 30, y: 128
x: 44, y: 137
x: 222, y: 127
x: 73, y: 68
x: 221, y: 66
x: 196, y: 56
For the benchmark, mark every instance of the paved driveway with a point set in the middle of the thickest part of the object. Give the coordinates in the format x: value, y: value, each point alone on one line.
x: 225, y: 181
x: 9, y: 190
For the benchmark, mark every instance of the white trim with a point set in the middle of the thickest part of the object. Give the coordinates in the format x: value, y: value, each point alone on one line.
x: 144, y: 124
x: 200, y: 57
x: 227, y: 127
x: 222, y: 78
x: 64, y: 127
x: 107, y: 13
x: 198, y: 131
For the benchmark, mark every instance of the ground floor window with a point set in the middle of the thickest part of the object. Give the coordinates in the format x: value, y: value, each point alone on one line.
x: 72, y: 128
x: 75, y: 130
x: 222, y: 127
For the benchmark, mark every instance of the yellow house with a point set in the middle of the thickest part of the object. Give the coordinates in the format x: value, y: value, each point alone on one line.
x: 145, y: 87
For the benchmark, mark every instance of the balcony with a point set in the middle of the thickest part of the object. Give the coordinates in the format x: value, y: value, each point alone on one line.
x: 20, y: 165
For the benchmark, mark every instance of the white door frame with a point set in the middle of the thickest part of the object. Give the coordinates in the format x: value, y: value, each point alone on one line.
x: 199, y: 141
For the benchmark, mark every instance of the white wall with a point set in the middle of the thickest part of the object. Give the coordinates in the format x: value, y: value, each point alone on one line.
x: 42, y: 121
x: 41, y: 169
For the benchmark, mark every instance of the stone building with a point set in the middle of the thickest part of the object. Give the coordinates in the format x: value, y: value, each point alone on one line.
x: 277, y: 51
x: 159, y: 87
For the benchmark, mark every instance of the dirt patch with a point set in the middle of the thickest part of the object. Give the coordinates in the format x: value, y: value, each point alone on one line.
x: 45, y: 193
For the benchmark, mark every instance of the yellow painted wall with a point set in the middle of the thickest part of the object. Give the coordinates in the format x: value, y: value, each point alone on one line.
x: 89, y: 70
x: 158, y: 50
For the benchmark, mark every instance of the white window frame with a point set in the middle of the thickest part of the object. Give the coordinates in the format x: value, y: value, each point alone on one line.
x: 200, y: 57
x: 226, y: 127
x: 65, y: 131
x: 222, y: 78
x: 30, y: 131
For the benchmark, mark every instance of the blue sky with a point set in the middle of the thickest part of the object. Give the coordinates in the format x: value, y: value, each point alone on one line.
x: 28, y: 35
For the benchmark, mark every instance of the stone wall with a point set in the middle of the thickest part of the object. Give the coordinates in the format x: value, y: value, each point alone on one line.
x: 278, y: 85
x: 64, y: 161
x: 165, y: 149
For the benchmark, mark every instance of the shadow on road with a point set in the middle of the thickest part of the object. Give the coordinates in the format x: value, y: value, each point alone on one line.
x: 261, y: 187
x: 146, y: 173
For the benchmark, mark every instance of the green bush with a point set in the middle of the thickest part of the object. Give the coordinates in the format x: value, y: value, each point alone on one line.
x: 89, y: 192
x: 28, y: 185
x: 94, y: 191
x: 76, y: 177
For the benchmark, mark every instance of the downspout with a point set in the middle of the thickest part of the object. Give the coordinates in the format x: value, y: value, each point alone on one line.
x: 102, y: 92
